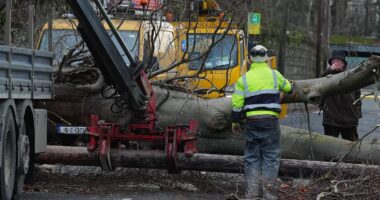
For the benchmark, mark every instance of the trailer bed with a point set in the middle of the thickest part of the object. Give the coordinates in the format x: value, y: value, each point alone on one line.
x: 25, y: 73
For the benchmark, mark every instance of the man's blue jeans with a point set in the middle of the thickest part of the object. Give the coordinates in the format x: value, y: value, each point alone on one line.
x: 262, y: 153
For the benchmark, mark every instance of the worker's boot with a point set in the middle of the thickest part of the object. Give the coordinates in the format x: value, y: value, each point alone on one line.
x: 267, y: 194
x: 252, y: 190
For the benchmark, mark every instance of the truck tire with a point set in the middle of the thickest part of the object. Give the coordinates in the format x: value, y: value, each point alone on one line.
x: 8, y: 158
x: 29, y: 178
x: 25, y: 144
x: 25, y: 165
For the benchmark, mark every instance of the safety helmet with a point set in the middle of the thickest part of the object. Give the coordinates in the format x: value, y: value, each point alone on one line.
x: 258, y: 54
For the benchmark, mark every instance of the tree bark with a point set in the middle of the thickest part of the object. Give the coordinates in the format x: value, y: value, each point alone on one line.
x: 299, y: 144
x: 311, y: 90
x: 199, y: 161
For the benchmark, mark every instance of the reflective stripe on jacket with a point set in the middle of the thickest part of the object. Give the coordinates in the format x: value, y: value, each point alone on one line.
x: 258, y: 92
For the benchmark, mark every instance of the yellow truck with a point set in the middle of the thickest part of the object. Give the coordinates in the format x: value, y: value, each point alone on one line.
x: 225, y: 63
x: 136, y: 35
x: 216, y: 51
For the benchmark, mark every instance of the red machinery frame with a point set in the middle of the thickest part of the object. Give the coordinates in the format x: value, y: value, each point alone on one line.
x: 103, y: 134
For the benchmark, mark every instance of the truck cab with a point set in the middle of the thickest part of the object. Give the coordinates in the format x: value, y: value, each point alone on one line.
x: 135, y: 33
x: 216, y: 49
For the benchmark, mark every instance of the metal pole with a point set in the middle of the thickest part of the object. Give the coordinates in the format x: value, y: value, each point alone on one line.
x: 8, y: 23
x: 319, y: 40
x: 31, y: 27
x: 283, y: 40
x: 326, y: 35
x: 115, y: 33
x: 50, y: 28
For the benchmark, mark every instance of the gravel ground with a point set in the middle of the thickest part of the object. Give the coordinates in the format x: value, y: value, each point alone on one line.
x: 68, y: 182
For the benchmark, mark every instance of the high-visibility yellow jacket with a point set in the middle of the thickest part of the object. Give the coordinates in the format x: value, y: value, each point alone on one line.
x: 257, y: 92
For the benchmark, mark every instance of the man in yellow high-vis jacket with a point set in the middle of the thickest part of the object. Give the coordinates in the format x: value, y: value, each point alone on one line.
x: 257, y: 95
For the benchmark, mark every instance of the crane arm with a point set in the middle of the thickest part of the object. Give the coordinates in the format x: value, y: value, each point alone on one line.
x: 111, y: 55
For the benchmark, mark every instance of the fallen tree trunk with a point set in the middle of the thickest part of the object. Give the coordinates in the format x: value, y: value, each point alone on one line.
x: 76, y: 102
x: 311, y: 90
x: 299, y: 144
x: 199, y: 161
x: 214, y: 115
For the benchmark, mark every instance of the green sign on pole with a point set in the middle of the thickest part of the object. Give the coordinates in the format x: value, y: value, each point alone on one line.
x: 254, y: 22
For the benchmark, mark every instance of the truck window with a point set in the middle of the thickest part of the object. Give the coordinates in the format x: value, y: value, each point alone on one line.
x: 65, y: 39
x: 164, y: 48
x: 222, y: 56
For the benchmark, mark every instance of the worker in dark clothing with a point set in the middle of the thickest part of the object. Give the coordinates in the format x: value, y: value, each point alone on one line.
x: 340, y: 116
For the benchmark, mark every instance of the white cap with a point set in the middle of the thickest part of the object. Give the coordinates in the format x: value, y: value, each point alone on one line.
x: 258, y: 54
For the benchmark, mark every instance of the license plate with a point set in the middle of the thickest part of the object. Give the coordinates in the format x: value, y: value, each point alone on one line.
x: 71, y: 130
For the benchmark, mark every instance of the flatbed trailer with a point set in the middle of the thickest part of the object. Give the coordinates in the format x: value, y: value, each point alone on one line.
x: 25, y: 75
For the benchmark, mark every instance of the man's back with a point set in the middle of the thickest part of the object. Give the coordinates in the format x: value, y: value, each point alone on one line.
x: 260, y: 77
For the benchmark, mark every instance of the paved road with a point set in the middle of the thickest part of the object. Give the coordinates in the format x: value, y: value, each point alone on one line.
x: 297, y: 118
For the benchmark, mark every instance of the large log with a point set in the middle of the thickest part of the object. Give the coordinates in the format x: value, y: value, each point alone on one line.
x: 199, y: 161
x: 299, y: 144
x: 311, y: 90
